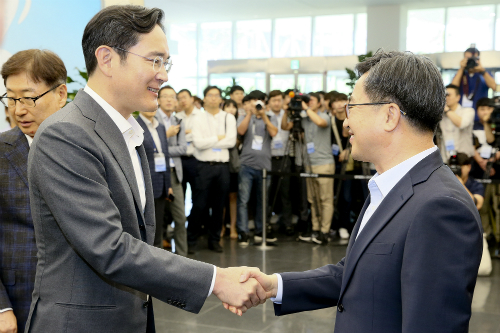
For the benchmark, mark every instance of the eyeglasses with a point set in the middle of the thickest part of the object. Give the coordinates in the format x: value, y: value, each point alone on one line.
x: 347, y: 106
x: 157, y: 62
x: 27, y: 101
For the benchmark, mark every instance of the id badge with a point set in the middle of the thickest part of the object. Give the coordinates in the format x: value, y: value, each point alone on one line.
x: 467, y: 103
x: 450, y: 145
x: 485, y: 151
x: 278, y: 144
x: 310, y: 148
x: 335, y: 149
x: 189, y: 144
x: 160, y: 163
x: 216, y: 150
x: 257, y: 142
x: 172, y: 164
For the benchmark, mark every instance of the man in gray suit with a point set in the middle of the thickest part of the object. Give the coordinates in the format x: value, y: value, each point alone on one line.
x: 92, y: 200
x: 177, y: 147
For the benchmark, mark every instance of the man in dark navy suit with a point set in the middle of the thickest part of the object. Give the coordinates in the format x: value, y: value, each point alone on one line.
x: 412, y: 261
x: 156, y: 146
x: 31, y: 97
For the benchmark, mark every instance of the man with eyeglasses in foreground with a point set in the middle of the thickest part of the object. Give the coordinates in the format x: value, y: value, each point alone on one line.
x: 92, y: 198
x: 412, y: 260
x: 35, y: 82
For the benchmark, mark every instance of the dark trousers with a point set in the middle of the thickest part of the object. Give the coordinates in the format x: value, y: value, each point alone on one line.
x: 189, y: 172
x: 159, y: 215
x: 212, y: 188
x: 282, y: 203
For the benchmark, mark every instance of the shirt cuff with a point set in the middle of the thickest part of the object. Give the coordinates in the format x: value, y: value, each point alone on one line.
x: 213, y: 282
x: 279, y: 294
x: 5, y: 310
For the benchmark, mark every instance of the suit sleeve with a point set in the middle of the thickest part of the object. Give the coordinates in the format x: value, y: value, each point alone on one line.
x: 310, y: 290
x: 67, y: 166
x: 439, y: 268
x: 4, y: 298
x: 181, y: 147
x: 166, y: 152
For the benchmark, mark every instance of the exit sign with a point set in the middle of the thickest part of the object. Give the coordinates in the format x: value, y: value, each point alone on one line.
x: 294, y: 64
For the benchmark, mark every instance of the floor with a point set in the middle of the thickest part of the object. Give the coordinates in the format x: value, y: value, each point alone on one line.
x: 291, y: 255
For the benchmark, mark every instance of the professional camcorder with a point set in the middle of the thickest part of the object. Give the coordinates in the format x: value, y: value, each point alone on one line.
x: 454, y: 165
x: 295, y: 105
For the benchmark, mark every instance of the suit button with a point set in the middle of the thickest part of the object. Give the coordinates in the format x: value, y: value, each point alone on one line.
x: 145, y: 304
x: 142, y: 227
x: 340, y: 307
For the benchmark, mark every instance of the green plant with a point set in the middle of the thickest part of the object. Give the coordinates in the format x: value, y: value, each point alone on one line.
x: 225, y: 92
x: 83, y: 74
x: 353, y: 77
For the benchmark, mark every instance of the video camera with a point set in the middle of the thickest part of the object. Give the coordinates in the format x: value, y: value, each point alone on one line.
x: 495, y: 116
x: 295, y: 105
x: 454, y: 165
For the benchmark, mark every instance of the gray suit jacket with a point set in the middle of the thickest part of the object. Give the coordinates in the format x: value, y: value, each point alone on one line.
x: 177, y: 145
x: 96, y: 264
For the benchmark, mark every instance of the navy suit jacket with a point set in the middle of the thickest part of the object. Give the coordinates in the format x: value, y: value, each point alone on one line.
x: 160, y: 180
x: 413, y: 267
x: 17, y: 239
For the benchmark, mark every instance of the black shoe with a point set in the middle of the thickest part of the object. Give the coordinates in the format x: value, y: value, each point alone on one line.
x: 305, y: 237
x: 270, y: 237
x: 215, y: 246
x: 316, y: 237
x: 243, y: 239
x: 324, y: 238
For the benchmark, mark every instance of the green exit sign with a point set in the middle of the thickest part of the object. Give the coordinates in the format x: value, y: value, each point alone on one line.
x: 294, y: 64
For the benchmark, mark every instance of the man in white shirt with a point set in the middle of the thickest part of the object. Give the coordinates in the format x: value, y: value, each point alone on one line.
x: 92, y: 198
x: 214, y: 132
x: 188, y: 114
x: 412, y: 261
x: 456, y: 126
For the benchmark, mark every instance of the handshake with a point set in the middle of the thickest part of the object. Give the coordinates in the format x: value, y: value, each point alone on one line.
x: 240, y: 288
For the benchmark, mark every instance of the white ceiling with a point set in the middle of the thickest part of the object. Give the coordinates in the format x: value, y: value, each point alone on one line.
x: 187, y: 11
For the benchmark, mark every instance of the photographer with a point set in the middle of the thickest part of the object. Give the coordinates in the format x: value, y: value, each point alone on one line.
x: 485, y: 138
x: 456, y: 125
x: 257, y: 131
x: 472, y: 79
x: 462, y: 169
x: 317, y: 128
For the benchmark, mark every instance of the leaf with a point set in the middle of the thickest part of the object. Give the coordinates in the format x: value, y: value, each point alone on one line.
x: 69, y: 80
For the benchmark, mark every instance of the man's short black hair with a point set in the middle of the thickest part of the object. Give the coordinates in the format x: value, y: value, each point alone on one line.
x: 287, y: 92
x: 454, y: 87
x: 413, y: 82
x: 236, y: 88
x: 118, y: 26
x: 315, y: 95
x: 245, y: 99
x: 463, y: 159
x: 184, y: 90
x: 472, y: 50
x: 485, y: 101
x: 257, y: 94
x: 163, y: 88
x: 207, y: 89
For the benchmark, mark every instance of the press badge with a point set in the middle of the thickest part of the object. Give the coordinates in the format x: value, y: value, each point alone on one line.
x: 450, y: 145
x: 335, y: 149
x: 257, y: 142
x: 216, y: 150
x: 467, y: 103
x: 160, y: 163
x: 485, y: 151
x: 310, y: 148
x: 277, y: 144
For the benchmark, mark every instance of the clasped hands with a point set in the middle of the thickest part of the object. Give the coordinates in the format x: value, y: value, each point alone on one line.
x: 240, y: 288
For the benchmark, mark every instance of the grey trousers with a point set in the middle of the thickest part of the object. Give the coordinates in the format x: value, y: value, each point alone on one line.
x: 175, y: 211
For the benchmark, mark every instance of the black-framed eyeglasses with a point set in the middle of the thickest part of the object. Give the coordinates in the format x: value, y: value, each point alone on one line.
x: 347, y: 106
x: 157, y: 61
x: 27, y: 101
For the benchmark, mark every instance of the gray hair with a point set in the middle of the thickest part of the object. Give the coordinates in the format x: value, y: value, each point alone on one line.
x: 411, y: 81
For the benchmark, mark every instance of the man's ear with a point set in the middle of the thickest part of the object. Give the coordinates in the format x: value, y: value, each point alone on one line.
x: 392, y: 117
x: 104, y: 55
x: 62, y: 95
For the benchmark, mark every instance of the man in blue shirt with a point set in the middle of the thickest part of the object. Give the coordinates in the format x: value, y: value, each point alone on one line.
x: 474, y: 188
x: 474, y: 81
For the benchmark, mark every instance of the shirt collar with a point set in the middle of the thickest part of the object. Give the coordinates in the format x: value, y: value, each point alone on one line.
x: 130, y: 128
x: 30, y: 139
x: 164, y: 115
x: 383, y: 183
x: 153, y: 124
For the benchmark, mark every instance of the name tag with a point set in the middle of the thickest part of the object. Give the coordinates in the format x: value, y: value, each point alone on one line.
x: 450, y: 145
x: 466, y: 103
x: 160, y: 163
x: 172, y: 164
x: 485, y: 151
x: 310, y: 147
x: 189, y: 144
x: 335, y: 149
x: 216, y: 150
x: 277, y: 144
x: 257, y: 142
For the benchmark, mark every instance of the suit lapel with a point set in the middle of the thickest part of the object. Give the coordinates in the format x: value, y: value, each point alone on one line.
x: 149, y: 209
x: 18, y: 152
x: 356, y: 226
x: 113, y: 138
x: 384, y: 213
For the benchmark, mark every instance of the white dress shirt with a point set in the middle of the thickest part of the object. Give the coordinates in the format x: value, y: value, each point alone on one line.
x: 133, y: 134
x: 459, y: 136
x: 30, y: 139
x: 167, y: 123
x: 188, y: 125
x: 379, y: 186
x: 206, y: 128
